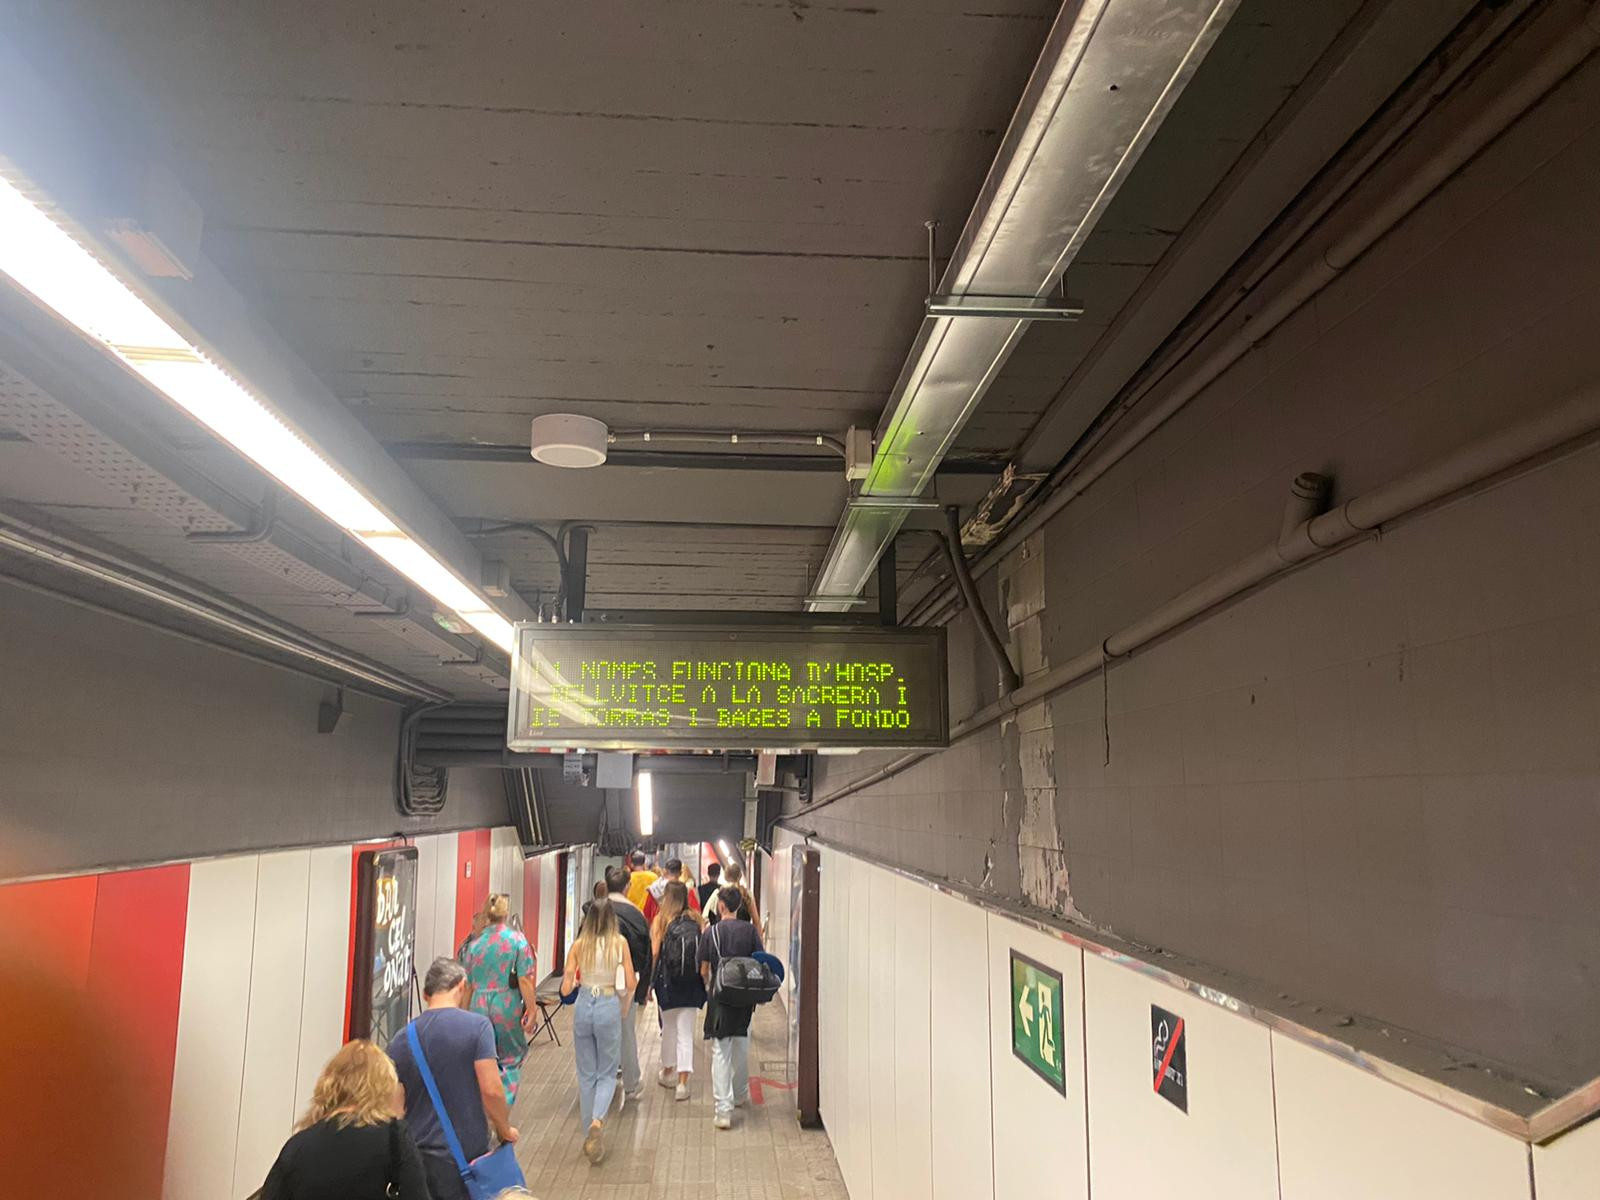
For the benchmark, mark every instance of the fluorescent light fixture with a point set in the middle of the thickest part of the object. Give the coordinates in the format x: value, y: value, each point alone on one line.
x: 42, y: 256
x: 722, y: 845
x: 647, y: 804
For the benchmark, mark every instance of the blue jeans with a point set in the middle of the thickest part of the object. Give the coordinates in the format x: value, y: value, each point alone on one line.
x: 597, y: 1039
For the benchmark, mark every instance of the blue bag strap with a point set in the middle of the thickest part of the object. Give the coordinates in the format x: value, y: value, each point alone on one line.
x: 438, y: 1104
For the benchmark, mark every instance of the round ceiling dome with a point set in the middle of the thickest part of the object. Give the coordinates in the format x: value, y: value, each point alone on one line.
x: 567, y: 440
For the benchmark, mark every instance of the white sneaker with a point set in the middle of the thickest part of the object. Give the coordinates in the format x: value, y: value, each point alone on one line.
x: 681, y: 1092
x: 667, y: 1078
x: 722, y: 1121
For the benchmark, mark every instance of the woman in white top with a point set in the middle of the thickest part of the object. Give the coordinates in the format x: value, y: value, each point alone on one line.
x: 601, y: 968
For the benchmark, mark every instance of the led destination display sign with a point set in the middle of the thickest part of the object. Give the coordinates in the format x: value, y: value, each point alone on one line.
x: 701, y: 687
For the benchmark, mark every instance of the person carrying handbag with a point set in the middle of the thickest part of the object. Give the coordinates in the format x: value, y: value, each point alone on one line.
x: 351, y: 1144
x: 502, y: 984
x: 453, y: 1095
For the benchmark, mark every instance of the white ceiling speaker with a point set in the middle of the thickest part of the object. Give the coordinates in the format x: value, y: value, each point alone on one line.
x: 567, y: 440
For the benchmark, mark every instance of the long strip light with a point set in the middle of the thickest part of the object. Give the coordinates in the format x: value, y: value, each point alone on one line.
x: 647, y: 804
x: 43, y: 256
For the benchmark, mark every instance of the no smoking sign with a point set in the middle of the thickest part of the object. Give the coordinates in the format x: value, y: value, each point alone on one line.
x: 1169, y: 1058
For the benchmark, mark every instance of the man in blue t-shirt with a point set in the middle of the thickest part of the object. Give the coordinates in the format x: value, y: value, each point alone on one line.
x: 459, y: 1047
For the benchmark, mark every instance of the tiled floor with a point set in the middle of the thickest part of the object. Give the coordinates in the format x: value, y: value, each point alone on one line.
x: 661, y: 1149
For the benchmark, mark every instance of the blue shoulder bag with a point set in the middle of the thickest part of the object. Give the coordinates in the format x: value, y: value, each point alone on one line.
x: 485, y: 1177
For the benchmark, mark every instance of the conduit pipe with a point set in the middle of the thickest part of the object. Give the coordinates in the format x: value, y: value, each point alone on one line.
x: 1575, y: 417
x: 697, y: 437
x: 169, y: 592
x: 1075, y: 475
x: 1010, y: 681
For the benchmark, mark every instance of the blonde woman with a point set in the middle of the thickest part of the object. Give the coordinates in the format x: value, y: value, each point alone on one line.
x: 352, y: 1144
x: 601, y: 968
x: 680, y: 991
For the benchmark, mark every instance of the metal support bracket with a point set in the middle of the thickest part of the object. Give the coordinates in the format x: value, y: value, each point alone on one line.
x: 577, y: 573
x: 893, y: 503
x: 259, y: 529
x: 403, y: 610
x: 852, y: 601
x: 329, y: 712
x: 1012, y: 308
x: 888, y: 588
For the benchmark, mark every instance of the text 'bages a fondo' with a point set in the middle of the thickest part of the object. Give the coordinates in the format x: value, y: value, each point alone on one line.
x: 691, y: 693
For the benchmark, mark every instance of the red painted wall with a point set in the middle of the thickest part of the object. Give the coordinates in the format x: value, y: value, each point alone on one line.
x: 530, y: 912
x: 89, y: 1026
x: 481, y: 854
x: 465, y: 873
x: 472, y: 878
x: 52, y: 922
x: 136, y: 970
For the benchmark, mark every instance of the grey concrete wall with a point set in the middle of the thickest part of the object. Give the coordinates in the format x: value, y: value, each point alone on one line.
x: 120, y: 744
x: 1376, y: 783
x: 688, y: 807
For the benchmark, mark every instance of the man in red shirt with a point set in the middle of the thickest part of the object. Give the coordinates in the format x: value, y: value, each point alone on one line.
x: 674, y: 873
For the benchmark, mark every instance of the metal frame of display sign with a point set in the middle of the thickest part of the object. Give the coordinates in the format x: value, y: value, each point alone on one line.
x: 727, y: 687
x: 385, y: 943
x: 1036, y: 1027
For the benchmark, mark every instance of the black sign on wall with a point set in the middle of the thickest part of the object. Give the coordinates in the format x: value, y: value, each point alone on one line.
x: 1169, y: 1057
x: 386, y: 935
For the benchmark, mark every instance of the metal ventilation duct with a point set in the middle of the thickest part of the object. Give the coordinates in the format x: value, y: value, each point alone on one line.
x: 1109, y: 74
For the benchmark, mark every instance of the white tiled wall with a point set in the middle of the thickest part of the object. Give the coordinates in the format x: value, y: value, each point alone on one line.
x: 213, y: 1017
x: 277, y: 987
x: 265, y: 969
x: 923, y: 1097
x: 1038, y: 1132
x: 914, y: 1041
x: 1225, y: 1145
x: 959, y: 1010
x: 1343, y: 1133
x: 1569, y: 1168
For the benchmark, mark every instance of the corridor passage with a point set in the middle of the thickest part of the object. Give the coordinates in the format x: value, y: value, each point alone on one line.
x: 660, y: 1149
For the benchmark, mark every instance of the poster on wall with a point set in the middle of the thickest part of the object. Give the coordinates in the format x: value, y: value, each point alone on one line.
x: 386, y: 938
x: 1036, y: 1020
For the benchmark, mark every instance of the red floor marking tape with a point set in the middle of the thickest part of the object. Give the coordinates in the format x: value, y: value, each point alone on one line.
x: 756, y: 1084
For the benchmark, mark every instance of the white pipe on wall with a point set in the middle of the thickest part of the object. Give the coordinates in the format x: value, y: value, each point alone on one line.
x: 1574, y: 418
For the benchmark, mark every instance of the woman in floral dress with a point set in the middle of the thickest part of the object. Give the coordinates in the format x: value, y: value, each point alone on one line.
x: 500, y: 968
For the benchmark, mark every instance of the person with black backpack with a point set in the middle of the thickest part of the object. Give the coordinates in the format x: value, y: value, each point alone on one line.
x: 728, y: 1016
x: 680, y: 990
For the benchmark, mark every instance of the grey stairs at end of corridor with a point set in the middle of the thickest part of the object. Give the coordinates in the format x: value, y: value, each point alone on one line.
x: 658, y: 1148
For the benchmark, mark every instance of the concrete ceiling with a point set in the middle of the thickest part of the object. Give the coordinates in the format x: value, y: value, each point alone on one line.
x: 704, y: 214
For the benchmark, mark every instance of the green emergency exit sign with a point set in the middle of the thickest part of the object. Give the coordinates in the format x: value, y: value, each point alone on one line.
x: 1036, y: 1020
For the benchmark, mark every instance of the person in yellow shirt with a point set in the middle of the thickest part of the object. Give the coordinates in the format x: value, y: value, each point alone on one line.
x: 639, y: 881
